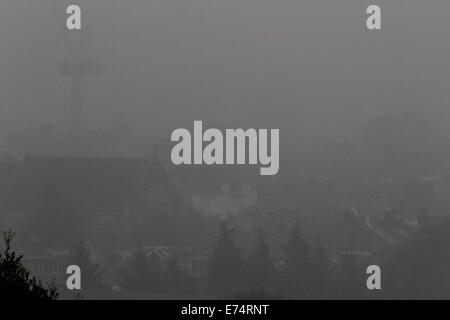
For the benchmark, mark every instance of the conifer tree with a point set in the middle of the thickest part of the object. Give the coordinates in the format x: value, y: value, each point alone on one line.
x: 16, y: 281
x: 297, y: 272
x: 224, y: 274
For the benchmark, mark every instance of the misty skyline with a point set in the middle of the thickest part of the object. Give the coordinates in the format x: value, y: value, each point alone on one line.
x: 225, y: 149
x: 308, y: 67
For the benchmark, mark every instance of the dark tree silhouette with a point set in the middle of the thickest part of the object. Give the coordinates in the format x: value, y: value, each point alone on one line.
x: 16, y: 281
x: 91, y: 271
x: 262, y: 272
x: 420, y: 269
x: 224, y: 274
x: 297, y: 273
x: 179, y: 280
x: 351, y: 282
x: 141, y: 276
x: 320, y: 271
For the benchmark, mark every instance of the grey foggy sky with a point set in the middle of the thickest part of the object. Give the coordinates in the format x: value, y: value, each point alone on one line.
x: 309, y: 67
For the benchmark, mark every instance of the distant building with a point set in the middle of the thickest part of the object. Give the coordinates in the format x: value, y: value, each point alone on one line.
x: 47, y: 265
x: 227, y: 202
x: 192, y: 259
x: 116, y: 194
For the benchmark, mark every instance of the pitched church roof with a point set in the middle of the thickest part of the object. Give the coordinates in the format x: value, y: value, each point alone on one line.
x: 96, y: 185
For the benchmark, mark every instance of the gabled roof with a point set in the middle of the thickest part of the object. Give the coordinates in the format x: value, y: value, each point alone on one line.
x: 96, y: 185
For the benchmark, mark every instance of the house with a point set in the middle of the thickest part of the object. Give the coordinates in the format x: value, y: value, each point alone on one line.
x: 47, y: 265
x: 192, y: 259
x: 227, y: 202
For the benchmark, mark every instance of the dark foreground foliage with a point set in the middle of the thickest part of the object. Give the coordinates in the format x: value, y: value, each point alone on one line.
x: 16, y: 281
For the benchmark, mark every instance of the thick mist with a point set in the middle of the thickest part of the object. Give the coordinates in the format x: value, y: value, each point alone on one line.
x: 308, y: 67
x: 88, y: 120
